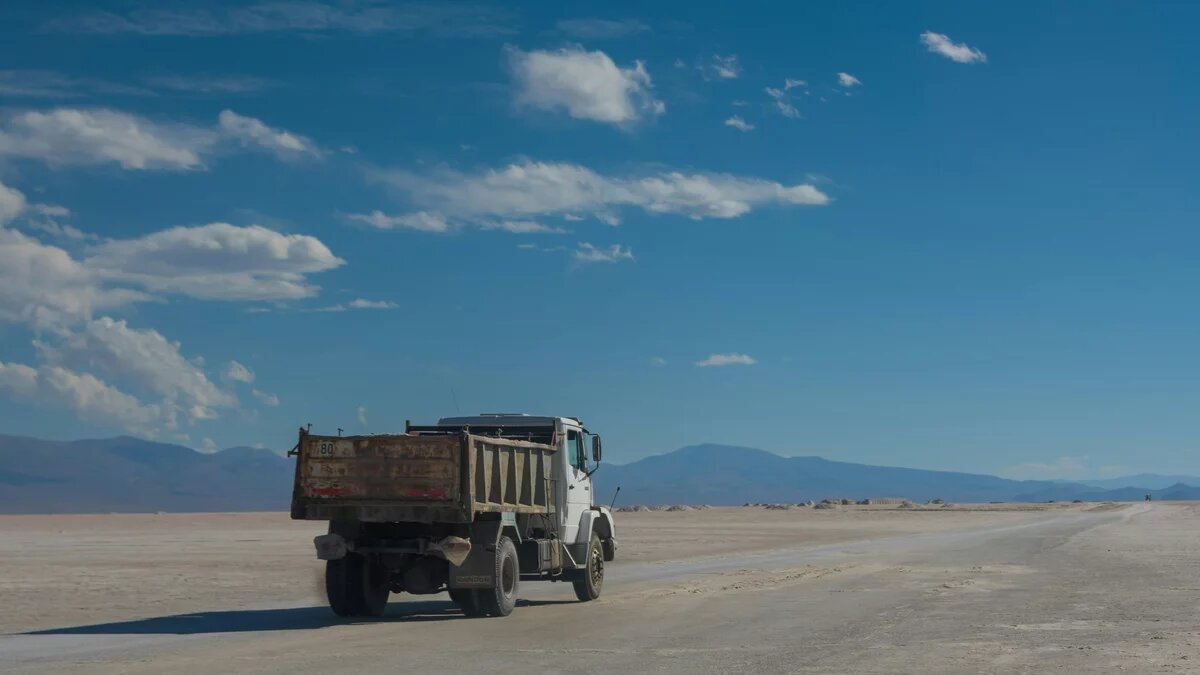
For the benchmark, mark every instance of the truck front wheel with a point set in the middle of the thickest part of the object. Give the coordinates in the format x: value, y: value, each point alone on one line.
x: 501, y: 598
x: 590, y: 579
x: 356, y: 586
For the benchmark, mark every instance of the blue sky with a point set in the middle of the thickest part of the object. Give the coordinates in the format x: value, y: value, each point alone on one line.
x: 944, y: 235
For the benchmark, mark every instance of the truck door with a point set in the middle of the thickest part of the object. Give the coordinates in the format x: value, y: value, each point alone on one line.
x: 579, y: 484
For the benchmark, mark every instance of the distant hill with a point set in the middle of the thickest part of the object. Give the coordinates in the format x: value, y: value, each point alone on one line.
x: 722, y: 474
x: 1152, y: 481
x: 128, y: 474
x: 131, y: 474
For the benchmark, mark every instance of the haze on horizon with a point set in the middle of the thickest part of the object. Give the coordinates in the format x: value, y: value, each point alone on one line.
x: 929, y: 235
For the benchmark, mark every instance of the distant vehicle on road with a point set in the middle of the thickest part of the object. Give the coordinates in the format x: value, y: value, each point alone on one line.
x: 472, y: 505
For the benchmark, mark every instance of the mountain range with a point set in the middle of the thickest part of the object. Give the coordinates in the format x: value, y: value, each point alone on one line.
x: 127, y: 474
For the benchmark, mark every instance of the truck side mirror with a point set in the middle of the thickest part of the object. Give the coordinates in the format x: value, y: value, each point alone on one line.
x: 596, y: 449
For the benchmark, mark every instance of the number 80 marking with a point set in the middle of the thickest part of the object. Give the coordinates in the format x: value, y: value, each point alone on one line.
x: 326, y: 448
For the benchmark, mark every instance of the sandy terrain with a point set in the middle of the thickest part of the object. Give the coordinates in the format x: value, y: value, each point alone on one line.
x: 1053, y: 588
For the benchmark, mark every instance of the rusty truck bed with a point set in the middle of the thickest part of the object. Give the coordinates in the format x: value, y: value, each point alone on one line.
x: 441, y: 477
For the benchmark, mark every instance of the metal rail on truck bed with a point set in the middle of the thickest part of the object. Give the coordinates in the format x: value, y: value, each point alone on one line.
x: 432, y: 474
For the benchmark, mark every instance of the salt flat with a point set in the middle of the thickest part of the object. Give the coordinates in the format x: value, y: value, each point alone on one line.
x: 1002, y: 588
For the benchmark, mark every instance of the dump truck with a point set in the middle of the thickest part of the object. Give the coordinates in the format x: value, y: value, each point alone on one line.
x: 471, y: 505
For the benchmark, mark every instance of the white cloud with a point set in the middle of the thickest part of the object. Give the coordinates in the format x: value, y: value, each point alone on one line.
x: 85, y: 394
x: 959, y: 53
x: 732, y: 359
x: 142, y: 357
x: 208, y: 447
x: 218, y: 261
x: 268, y: 399
x: 93, y: 136
x: 848, y: 80
x: 782, y: 103
x: 601, y: 29
x: 658, y: 361
x: 302, y: 16
x: 726, y: 67
x: 588, y: 85
x: 420, y: 221
x: 523, y: 227
x: 12, y: 203
x: 238, y: 373
x: 738, y: 123
x: 528, y: 189
x: 360, y: 303
x: 45, y: 287
x: 362, y: 415
x: 250, y: 131
x: 587, y: 253
x: 67, y: 136
x: 789, y: 84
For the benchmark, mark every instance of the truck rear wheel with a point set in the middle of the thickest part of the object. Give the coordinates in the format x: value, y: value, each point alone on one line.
x: 590, y: 579
x: 356, y: 586
x: 501, y: 598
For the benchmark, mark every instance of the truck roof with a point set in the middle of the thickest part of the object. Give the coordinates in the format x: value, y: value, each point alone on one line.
x: 504, y: 420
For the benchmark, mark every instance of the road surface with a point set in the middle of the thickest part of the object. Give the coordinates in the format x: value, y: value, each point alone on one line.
x: 1088, y: 590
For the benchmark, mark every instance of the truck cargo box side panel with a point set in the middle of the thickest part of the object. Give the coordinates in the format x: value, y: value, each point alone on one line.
x: 381, y: 468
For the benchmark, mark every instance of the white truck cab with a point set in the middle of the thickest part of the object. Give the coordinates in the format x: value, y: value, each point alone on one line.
x: 578, y: 458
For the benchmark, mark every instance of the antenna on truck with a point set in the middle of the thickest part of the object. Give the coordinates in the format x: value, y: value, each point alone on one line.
x: 614, y: 499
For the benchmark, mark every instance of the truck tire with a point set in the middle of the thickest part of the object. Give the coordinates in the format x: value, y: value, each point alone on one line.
x: 467, y: 600
x: 590, y: 579
x: 501, y: 598
x: 356, y: 586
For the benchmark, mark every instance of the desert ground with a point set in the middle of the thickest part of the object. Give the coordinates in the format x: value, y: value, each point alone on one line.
x: 1069, y: 588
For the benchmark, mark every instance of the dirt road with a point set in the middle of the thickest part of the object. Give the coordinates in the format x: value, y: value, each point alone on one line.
x: 1066, y: 589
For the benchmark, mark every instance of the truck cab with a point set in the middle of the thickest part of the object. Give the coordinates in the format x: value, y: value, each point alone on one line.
x: 578, y: 457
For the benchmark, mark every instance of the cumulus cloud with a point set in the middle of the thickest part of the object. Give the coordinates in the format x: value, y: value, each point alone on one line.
x: 142, y: 357
x: 68, y: 136
x: 302, y: 16
x: 218, y: 261
x: 267, y: 399
x: 738, y: 123
x: 587, y: 253
x: 848, y: 80
x: 362, y: 415
x: 238, y: 373
x: 782, y: 103
x: 250, y: 131
x: 789, y: 84
x: 959, y: 53
x: 85, y: 394
x: 528, y: 189
x: 587, y: 85
x: 12, y: 203
x: 601, y: 29
x: 732, y: 359
x: 93, y: 136
x: 44, y: 287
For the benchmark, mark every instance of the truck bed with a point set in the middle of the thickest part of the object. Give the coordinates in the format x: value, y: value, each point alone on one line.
x: 437, y: 477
